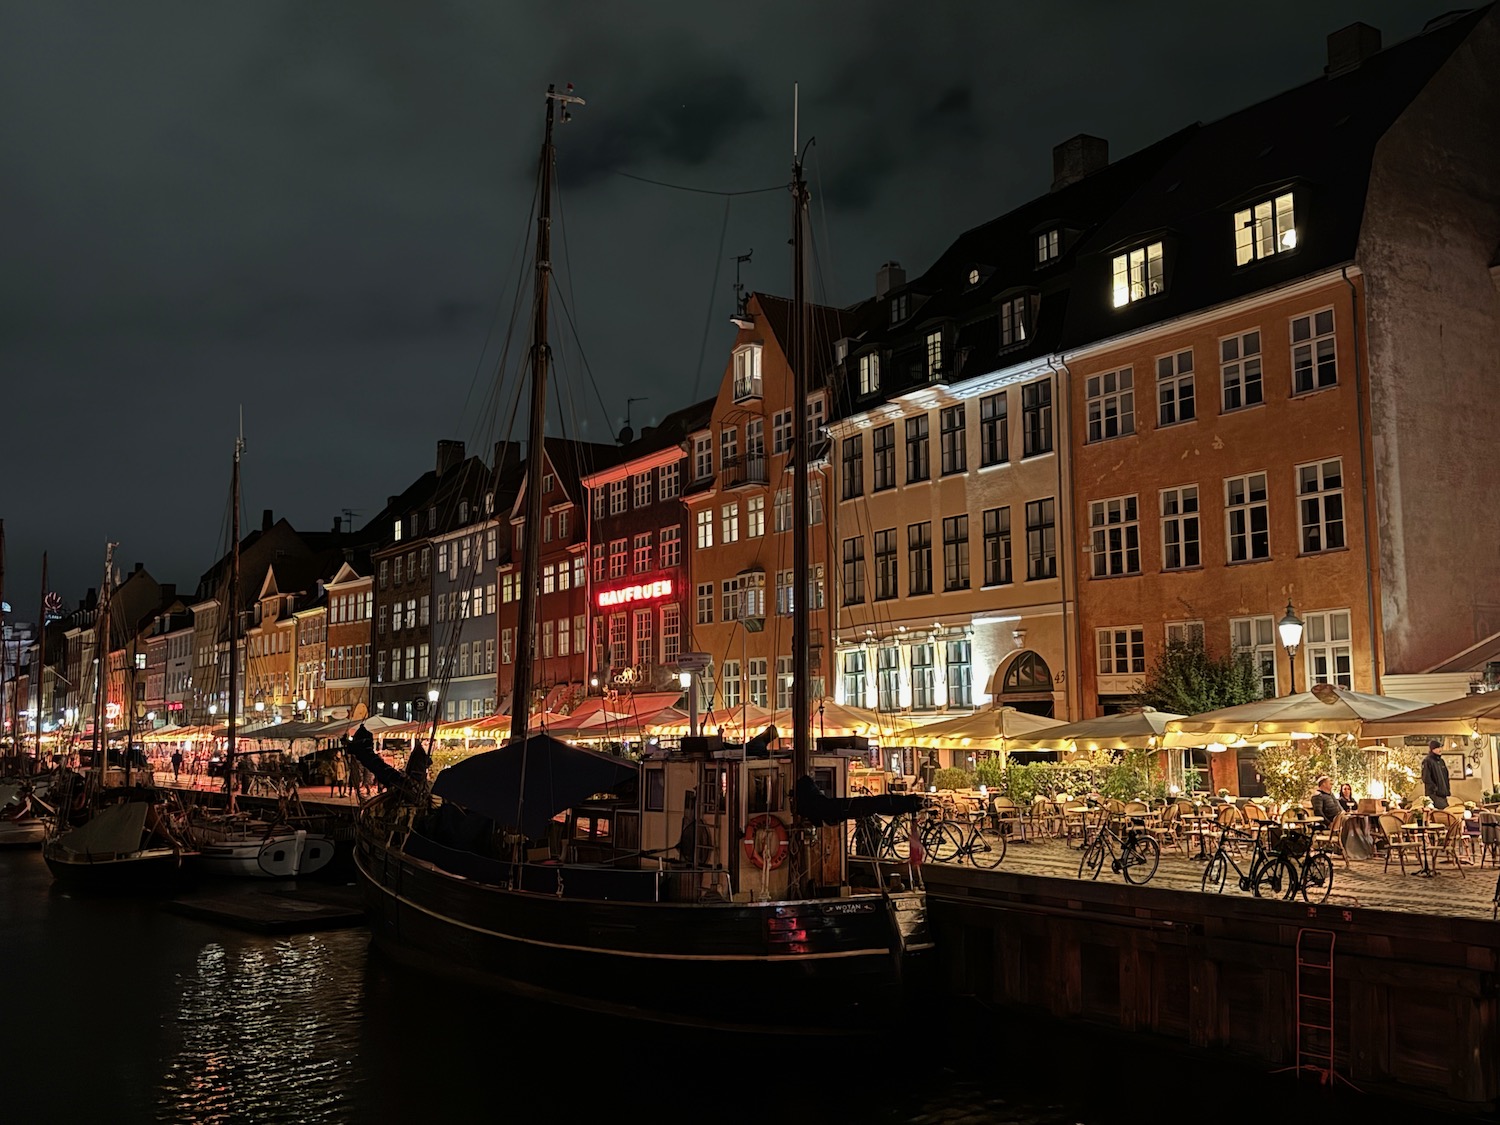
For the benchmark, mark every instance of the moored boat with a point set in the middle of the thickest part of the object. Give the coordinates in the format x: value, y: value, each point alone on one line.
x: 703, y: 887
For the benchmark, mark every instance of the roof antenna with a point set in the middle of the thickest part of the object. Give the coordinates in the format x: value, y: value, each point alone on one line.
x: 742, y: 317
x: 627, y: 435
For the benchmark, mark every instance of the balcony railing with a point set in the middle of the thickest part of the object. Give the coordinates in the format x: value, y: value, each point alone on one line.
x: 746, y: 389
x: 743, y: 472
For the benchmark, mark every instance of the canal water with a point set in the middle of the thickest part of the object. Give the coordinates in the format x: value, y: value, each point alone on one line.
x: 118, y: 1010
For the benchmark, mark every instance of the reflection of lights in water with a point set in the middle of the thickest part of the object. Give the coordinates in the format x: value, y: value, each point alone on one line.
x: 269, y: 1031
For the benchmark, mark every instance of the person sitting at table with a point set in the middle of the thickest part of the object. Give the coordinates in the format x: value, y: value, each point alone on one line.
x: 1324, y: 803
x: 1346, y: 798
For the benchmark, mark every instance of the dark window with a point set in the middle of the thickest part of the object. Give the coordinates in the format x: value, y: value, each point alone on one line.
x: 917, y: 466
x: 955, y: 447
x: 883, y: 452
x: 1036, y: 418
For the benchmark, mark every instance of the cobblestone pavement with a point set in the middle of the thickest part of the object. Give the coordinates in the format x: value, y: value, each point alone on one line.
x: 1361, y: 883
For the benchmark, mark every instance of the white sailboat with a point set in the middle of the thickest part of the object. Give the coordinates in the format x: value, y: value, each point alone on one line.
x: 231, y: 842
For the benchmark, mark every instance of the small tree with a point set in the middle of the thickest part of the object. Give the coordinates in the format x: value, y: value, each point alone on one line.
x: 1290, y: 770
x: 1186, y: 680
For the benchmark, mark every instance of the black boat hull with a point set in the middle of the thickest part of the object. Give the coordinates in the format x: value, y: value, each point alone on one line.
x: 149, y: 872
x: 817, y: 966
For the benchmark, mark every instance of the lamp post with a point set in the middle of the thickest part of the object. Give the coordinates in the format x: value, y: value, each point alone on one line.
x: 1290, y: 628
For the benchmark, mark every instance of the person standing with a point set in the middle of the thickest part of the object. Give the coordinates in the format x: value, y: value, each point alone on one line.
x: 176, y: 763
x: 1435, y: 775
x: 340, y: 772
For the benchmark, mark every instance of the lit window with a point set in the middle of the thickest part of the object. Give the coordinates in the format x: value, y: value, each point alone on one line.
x: 1266, y: 229
x: 1138, y: 274
x: 1048, y: 245
x: 869, y: 373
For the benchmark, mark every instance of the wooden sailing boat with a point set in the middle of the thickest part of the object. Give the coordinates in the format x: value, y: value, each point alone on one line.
x: 228, y: 841
x: 697, y: 887
x: 112, y: 838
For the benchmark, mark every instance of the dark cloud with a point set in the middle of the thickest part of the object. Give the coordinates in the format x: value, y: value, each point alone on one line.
x: 319, y: 212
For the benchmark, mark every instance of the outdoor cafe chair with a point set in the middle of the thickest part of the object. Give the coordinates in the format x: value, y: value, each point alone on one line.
x: 1331, y: 839
x: 1452, y: 839
x: 1046, y: 817
x: 1489, y: 837
x: 1395, y: 843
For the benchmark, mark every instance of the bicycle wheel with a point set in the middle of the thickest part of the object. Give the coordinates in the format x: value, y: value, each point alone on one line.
x: 987, y: 848
x: 1317, y: 878
x: 895, y: 843
x: 1276, y: 878
x: 1215, y: 873
x: 1139, y: 858
x: 943, y: 843
x: 1093, y: 859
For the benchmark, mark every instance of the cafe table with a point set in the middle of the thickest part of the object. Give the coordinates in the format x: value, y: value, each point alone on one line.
x: 1425, y: 835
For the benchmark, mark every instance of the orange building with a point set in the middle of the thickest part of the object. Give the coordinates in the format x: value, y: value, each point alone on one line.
x: 737, y: 493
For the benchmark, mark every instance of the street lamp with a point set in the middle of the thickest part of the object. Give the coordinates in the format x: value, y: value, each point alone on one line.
x: 1290, y: 628
x: 301, y: 707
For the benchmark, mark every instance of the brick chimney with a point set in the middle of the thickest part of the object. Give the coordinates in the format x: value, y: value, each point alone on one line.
x: 1350, y: 46
x: 450, y: 454
x: 1078, y: 157
x: 887, y: 277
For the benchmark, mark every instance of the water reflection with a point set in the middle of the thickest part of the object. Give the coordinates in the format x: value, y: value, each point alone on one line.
x: 269, y: 1031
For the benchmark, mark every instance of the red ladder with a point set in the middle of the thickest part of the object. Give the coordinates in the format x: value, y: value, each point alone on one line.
x: 1315, y: 1034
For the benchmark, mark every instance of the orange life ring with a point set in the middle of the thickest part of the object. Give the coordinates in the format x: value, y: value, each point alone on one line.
x: 753, y: 827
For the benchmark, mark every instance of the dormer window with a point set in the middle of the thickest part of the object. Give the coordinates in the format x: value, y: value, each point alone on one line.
x: 934, y: 354
x: 899, y: 309
x: 974, y: 275
x: 463, y: 511
x: 869, y: 373
x: 1014, y: 320
x: 747, y: 373
x: 1138, y: 274
x: 840, y: 351
x: 1048, y: 246
x: 398, y: 530
x: 1266, y: 229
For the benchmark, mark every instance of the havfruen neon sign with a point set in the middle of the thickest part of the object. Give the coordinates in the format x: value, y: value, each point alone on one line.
x: 642, y: 592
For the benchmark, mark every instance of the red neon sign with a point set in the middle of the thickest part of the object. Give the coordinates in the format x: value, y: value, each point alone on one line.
x: 644, y: 592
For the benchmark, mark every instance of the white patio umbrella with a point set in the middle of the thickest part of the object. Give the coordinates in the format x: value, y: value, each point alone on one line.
x: 1467, y: 715
x: 995, y: 729
x: 1323, y: 710
x: 1132, y: 730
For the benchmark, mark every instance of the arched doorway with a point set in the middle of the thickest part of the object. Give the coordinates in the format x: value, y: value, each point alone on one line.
x: 1026, y: 684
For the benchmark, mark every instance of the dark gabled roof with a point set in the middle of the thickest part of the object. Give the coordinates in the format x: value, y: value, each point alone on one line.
x: 1003, y: 251
x: 1317, y: 139
x: 671, y: 430
x: 827, y: 326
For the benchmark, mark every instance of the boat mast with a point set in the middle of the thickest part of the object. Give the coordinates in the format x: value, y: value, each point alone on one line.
x: 41, y: 658
x: 801, y: 565
x: 101, y: 660
x: 233, y: 609
x: 531, y: 541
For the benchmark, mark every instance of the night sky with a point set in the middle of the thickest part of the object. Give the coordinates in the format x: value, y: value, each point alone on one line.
x: 319, y: 211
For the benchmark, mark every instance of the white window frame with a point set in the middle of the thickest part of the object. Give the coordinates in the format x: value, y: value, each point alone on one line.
x: 1256, y: 638
x: 1175, y: 398
x: 1115, y: 536
x: 1241, y: 379
x: 1121, y: 650
x: 869, y: 373
x: 1110, y: 399
x: 1240, y: 506
x: 704, y: 522
x: 1181, y: 528
x: 1048, y: 246
x: 1320, y: 506
x: 1315, y: 361
x: 1328, y: 648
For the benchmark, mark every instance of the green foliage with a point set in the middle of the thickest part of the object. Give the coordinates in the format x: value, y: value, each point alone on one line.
x: 1186, y: 680
x: 1403, y: 771
x: 990, y: 773
x: 953, y: 778
x: 1289, y: 770
x: 1136, y: 775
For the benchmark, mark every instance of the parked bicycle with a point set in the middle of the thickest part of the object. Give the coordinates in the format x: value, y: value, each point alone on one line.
x: 980, y: 841
x: 1282, y: 864
x: 1133, y: 852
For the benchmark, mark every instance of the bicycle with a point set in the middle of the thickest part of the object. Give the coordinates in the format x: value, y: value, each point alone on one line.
x: 981, y: 844
x: 1281, y: 870
x: 1133, y: 853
